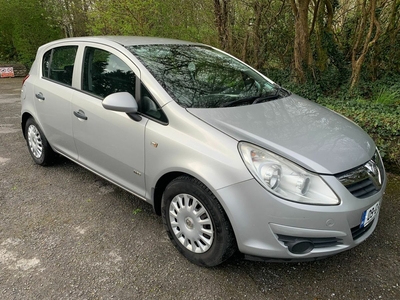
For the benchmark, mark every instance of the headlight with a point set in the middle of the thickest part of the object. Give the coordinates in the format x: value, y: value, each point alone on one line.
x: 284, y: 178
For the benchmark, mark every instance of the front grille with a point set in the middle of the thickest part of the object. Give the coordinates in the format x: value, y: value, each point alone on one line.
x: 362, y: 189
x: 358, y: 232
x: 317, y: 242
x: 366, y: 180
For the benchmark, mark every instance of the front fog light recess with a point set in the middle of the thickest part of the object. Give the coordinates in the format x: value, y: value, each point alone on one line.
x: 285, y: 178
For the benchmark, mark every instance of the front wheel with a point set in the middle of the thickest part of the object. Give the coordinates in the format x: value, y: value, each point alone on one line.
x: 38, y: 146
x: 196, y: 222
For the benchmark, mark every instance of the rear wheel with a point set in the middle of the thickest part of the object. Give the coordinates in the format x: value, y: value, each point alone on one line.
x: 38, y: 146
x: 196, y: 222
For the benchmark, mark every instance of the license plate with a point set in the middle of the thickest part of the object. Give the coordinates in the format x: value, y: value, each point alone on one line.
x: 369, y: 215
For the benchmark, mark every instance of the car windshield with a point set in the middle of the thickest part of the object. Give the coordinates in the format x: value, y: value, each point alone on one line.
x: 198, y: 76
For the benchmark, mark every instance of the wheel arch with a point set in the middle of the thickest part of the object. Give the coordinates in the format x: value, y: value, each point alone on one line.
x: 24, y: 118
x: 160, y: 186
x: 164, y: 180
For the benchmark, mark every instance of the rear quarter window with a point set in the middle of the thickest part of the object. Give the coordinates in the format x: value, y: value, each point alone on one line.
x: 58, y: 64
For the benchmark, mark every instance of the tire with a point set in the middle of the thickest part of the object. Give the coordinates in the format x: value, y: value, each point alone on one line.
x: 38, y: 145
x: 196, y: 222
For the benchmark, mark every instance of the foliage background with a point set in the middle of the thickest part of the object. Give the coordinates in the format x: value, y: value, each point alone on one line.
x: 341, y: 53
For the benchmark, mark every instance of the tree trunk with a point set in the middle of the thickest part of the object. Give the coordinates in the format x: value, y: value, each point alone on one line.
x: 221, y: 12
x: 359, y: 52
x: 302, y: 53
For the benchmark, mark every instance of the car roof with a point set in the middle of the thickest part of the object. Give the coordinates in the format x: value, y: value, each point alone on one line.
x: 126, y: 40
x: 140, y: 40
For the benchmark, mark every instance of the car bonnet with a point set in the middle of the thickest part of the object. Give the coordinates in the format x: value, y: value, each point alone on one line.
x: 310, y: 135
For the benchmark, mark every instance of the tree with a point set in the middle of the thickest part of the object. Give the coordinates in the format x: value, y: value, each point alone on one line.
x: 367, y: 32
x: 302, y: 51
x: 384, y: 56
x: 222, y: 19
x: 22, y: 31
x: 265, y: 24
x: 326, y: 41
x: 70, y: 15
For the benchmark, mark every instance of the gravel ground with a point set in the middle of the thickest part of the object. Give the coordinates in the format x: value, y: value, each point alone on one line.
x: 65, y: 233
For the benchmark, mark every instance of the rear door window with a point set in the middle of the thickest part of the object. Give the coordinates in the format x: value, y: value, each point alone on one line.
x: 58, y: 64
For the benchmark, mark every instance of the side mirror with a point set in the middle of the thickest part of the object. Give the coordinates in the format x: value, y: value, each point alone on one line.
x: 123, y: 102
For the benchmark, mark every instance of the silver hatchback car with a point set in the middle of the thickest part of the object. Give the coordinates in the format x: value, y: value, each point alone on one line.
x: 231, y: 160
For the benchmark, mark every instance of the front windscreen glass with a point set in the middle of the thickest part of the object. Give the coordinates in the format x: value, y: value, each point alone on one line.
x: 202, y: 77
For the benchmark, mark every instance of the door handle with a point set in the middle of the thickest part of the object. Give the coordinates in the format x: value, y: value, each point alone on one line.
x: 40, y: 96
x: 80, y: 114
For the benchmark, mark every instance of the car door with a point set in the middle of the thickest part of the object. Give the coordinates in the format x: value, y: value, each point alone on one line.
x: 108, y: 142
x: 53, y: 94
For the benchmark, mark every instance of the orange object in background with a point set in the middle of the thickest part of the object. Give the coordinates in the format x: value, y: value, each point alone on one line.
x: 6, y: 72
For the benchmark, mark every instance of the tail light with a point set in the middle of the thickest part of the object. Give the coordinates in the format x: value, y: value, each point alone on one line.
x: 25, y: 78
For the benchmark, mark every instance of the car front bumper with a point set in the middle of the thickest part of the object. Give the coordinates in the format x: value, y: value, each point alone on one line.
x: 270, y: 228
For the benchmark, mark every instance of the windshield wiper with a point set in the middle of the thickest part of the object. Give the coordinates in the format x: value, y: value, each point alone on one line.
x: 253, y: 99
x: 267, y: 97
x: 279, y: 92
x: 239, y: 101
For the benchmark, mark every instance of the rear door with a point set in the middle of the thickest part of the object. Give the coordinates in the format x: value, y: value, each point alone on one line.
x: 53, y: 94
x: 108, y: 142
